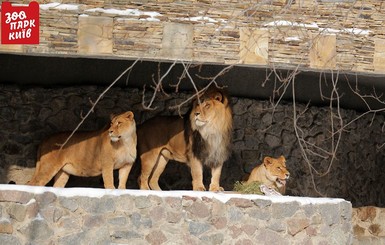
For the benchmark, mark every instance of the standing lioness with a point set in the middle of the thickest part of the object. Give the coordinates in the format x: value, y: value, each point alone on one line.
x: 89, y: 154
x: 201, y: 138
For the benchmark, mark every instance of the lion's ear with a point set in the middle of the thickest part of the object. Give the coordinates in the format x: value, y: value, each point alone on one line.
x: 218, y: 96
x: 129, y: 115
x: 283, y: 159
x: 267, y: 161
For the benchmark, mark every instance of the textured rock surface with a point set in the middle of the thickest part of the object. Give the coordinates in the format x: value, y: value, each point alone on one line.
x: 144, y: 219
x: 29, y: 114
x: 368, y: 225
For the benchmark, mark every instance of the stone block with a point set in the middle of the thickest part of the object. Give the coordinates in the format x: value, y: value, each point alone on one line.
x: 6, y: 226
x: 9, y: 240
x: 37, y: 229
x: 177, y: 42
x: 95, y: 35
x: 379, y: 55
x: 15, y: 196
x: 254, y: 46
x: 323, y: 51
x: 17, y: 211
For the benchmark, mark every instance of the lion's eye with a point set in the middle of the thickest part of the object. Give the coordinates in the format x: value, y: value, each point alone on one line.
x: 207, y: 106
x: 279, y: 168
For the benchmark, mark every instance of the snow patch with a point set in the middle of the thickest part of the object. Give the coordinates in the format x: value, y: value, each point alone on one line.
x: 290, y: 39
x: 285, y: 23
x: 202, y: 19
x: 128, y: 12
x: 221, y: 196
x: 59, y: 6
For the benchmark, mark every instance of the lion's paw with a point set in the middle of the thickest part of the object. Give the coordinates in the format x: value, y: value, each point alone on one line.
x: 199, y: 188
x: 216, y: 188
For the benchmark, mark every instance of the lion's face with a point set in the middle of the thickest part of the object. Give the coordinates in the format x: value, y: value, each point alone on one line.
x: 122, y: 126
x: 211, y: 109
x: 276, y: 170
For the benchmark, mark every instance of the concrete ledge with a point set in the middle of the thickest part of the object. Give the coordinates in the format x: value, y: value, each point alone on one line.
x: 46, y: 215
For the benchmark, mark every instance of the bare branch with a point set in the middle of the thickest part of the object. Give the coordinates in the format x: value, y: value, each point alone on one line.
x: 96, y: 102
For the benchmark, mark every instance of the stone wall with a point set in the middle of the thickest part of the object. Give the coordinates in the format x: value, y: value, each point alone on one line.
x: 42, y: 215
x: 338, y: 35
x: 368, y: 225
x: 29, y: 114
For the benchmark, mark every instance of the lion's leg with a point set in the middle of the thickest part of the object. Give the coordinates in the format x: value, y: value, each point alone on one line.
x: 197, y: 175
x: 157, y: 172
x: 215, y: 178
x: 61, y: 179
x: 148, y: 161
x: 44, y: 172
x: 123, y: 175
x: 108, y: 176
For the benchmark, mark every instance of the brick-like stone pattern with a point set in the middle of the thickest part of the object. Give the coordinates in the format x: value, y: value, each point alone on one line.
x: 340, y: 35
x: 29, y: 114
x: 127, y: 217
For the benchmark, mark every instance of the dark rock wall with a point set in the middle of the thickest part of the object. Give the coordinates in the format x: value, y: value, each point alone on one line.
x: 28, y: 114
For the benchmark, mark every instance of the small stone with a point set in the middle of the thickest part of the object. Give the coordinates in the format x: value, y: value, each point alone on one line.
x: 296, y: 225
x: 68, y: 203
x: 271, y: 237
x: 272, y: 140
x: 37, y: 230
x: 241, y: 202
x: 174, y: 217
x: 157, y: 213
x: 15, y: 196
x: 45, y: 198
x: 219, y: 223
x: 282, y: 210
x: 9, y: 240
x: 196, y: 228
x: 6, y: 226
x: 142, y: 202
x: 249, y: 229
x: 217, y: 238
x: 117, y: 221
x: 235, y: 231
x: 156, y: 238
x: 93, y: 221
x: 235, y: 214
x: 311, y: 231
x: 17, y: 211
x: 199, y: 210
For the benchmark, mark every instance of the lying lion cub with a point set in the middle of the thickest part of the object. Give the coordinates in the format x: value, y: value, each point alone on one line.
x: 89, y: 154
x: 272, y: 173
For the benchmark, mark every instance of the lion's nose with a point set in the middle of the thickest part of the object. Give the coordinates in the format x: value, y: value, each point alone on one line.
x: 287, y: 175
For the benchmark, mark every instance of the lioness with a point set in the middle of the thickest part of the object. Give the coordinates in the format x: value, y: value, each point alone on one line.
x: 272, y: 173
x: 201, y: 137
x: 89, y: 154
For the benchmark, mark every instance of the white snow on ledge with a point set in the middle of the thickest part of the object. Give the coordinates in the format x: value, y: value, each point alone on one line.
x: 221, y: 196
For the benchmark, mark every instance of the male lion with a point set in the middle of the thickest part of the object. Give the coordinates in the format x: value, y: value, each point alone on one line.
x: 201, y: 137
x: 272, y: 173
x: 89, y: 154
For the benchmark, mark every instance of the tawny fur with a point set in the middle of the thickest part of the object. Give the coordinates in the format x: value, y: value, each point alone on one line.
x: 89, y: 154
x: 201, y: 138
x: 272, y: 172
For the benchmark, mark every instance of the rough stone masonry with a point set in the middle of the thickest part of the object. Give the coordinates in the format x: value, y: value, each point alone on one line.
x: 46, y: 215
